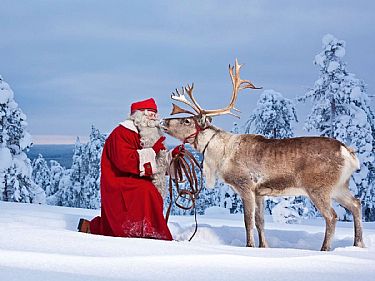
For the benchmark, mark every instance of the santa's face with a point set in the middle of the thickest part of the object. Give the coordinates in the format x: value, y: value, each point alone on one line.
x: 145, y: 119
x: 151, y: 115
x: 148, y: 125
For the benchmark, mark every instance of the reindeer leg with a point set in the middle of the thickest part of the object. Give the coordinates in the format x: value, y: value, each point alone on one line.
x: 348, y: 201
x: 259, y: 221
x: 249, y: 210
x: 323, y: 204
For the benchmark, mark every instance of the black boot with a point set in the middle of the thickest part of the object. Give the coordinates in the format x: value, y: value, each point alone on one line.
x: 84, y: 226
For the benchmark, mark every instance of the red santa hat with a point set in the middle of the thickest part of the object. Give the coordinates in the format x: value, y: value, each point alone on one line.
x: 148, y: 104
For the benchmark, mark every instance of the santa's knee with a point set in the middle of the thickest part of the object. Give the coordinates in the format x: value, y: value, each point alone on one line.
x: 148, y: 187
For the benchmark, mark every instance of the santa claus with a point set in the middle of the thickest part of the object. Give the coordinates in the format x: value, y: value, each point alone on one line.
x: 132, y: 183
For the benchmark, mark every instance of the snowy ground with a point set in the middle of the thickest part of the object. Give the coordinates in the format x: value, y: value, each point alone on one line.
x: 41, y: 243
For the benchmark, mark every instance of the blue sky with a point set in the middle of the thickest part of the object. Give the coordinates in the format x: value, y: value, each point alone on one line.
x: 72, y: 64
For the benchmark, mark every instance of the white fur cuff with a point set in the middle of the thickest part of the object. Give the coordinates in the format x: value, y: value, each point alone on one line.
x: 147, y: 155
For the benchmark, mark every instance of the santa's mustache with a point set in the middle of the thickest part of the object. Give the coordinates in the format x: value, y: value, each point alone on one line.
x: 141, y: 120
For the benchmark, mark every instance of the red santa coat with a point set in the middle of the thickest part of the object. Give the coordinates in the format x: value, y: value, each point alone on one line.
x: 131, y: 206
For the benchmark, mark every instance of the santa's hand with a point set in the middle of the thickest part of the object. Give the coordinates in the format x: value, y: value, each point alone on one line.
x: 178, y: 151
x: 159, y: 145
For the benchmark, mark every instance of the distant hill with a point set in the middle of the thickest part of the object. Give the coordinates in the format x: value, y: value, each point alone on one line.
x: 63, y: 153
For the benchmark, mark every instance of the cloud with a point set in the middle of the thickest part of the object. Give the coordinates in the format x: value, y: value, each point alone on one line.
x: 72, y: 64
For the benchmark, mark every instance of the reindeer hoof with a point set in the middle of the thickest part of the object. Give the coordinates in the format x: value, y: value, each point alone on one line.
x: 325, y: 248
x: 359, y: 244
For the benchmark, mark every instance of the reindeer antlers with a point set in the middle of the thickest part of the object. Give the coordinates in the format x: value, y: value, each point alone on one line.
x: 237, y: 83
x: 182, y: 98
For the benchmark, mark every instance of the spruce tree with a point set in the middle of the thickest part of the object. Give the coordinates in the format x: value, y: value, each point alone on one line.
x: 82, y: 190
x: 273, y: 116
x: 71, y: 193
x: 65, y: 195
x: 15, y: 167
x: 341, y: 110
x: 55, y: 190
x: 41, y: 173
x: 90, y: 191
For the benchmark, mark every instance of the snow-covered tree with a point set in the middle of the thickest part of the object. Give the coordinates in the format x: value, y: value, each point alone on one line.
x: 84, y: 188
x: 341, y: 110
x: 71, y: 193
x: 273, y: 116
x: 41, y: 173
x: 66, y: 196
x: 208, y: 197
x: 54, y: 192
x: 285, y: 212
x: 56, y: 173
x: 15, y: 167
x: 91, y: 187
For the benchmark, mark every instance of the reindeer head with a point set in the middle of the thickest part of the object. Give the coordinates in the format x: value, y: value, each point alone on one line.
x: 186, y: 129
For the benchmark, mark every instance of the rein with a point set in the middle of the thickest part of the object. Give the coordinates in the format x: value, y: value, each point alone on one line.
x: 185, y: 168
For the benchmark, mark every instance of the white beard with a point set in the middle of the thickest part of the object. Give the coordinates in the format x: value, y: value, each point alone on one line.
x: 150, y: 132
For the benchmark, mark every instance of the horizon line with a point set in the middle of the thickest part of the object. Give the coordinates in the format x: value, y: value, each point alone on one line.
x: 57, y: 139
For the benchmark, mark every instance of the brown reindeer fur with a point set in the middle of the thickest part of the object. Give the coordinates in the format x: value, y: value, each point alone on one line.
x: 254, y: 166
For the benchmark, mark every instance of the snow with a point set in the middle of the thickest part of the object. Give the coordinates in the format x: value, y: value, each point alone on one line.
x: 5, y: 92
x: 12, y: 104
x: 327, y: 39
x: 25, y: 141
x: 356, y: 93
x: 4, y: 96
x: 39, y: 242
x: 333, y: 65
x: 340, y: 52
x: 360, y: 118
x: 319, y: 59
x: 215, y: 210
x: 282, y: 212
x: 6, y: 158
x: 22, y: 164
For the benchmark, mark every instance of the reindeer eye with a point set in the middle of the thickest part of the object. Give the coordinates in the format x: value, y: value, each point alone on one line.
x: 187, y: 122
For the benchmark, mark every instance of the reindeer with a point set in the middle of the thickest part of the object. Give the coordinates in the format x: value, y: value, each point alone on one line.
x: 254, y: 166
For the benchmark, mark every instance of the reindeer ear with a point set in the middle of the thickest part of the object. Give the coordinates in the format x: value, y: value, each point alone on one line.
x: 176, y: 110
